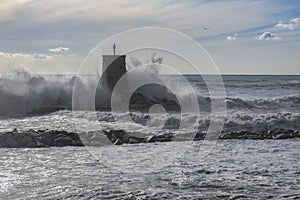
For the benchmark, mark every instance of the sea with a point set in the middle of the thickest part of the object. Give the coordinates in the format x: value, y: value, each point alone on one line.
x: 180, y: 169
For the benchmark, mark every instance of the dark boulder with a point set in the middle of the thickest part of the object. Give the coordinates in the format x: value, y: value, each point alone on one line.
x: 263, y: 135
x: 39, y: 138
x: 119, y: 137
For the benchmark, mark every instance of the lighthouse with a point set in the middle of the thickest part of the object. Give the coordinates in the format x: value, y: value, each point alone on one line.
x: 113, y: 68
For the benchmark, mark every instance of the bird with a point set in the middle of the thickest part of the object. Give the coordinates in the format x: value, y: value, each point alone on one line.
x: 205, y: 28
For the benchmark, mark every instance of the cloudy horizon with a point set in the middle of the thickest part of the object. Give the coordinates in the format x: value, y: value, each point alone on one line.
x: 242, y: 36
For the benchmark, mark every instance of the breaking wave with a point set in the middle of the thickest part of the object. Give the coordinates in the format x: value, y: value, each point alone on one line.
x: 22, y: 94
x: 141, y: 130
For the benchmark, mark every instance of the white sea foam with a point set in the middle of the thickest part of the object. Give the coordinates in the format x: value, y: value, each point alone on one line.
x: 22, y: 93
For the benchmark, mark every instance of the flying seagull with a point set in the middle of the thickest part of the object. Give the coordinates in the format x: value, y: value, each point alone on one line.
x: 205, y: 28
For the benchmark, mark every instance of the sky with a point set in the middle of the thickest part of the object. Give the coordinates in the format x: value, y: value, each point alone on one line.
x: 243, y: 36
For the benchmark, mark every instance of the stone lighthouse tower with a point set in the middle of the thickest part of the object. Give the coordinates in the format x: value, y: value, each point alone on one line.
x: 113, y: 68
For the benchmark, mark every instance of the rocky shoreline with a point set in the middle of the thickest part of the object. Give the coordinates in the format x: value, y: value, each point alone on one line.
x: 39, y: 138
x: 61, y: 138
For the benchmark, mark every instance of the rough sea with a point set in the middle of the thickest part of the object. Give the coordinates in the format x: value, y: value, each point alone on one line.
x: 231, y: 169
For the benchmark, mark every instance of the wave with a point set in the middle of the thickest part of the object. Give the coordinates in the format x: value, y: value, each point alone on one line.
x: 22, y: 94
x: 236, y: 122
x: 278, y: 103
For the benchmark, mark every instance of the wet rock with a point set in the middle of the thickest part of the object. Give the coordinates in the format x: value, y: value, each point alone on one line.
x: 162, y: 138
x: 119, y: 137
x: 40, y: 144
x: 133, y: 141
x: 286, y: 135
x: 40, y: 138
x: 118, y: 142
x: 199, y: 136
x: 94, y: 138
x: 60, y: 138
x: 63, y: 141
x: 11, y: 142
x: 32, y: 145
x: 44, y: 139
x: 270, y: 134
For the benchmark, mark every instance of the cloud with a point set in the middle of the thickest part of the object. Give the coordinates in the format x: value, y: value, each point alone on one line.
x: 25, y: 55
x: 78, y: 9
x: 41, y: 56
x: 231, y: 38
x: 295, y: 20
x: 60, y: 50
x: 123, y: 14
x: 80, y: 24
x: 292, y: 25
x: 267, y: 36
x: 8, y: 8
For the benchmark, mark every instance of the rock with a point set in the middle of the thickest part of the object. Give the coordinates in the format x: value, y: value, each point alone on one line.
x: 3, y: 138
x: 10, y: 142
x: 60, y: 138
x: 121, y: 137
x: 199, y: 136
x: 160, y: 138
x: 133, y: 140
x: 118, y: 142
x: 39, y: 138
x: 63, y: 141
x: 44, y: 139
x: 114, y: 135
x: 93, y: 138
x: 31, y: 145
x: 77, y: 142
x: 283, y: 136
x: 40, y: 144
x: 270, y: 134
x: 164, y: 138
x: 150, y: 139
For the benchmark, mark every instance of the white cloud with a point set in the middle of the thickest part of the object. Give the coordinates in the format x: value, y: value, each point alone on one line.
x: 231, y: 38
x: 41, y: 56
x: 25, y: 55
x: 60, y: 50
x: 295, y: 20
x: 267, y: 36
x: 292, y: 25
x: 285, y: 26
